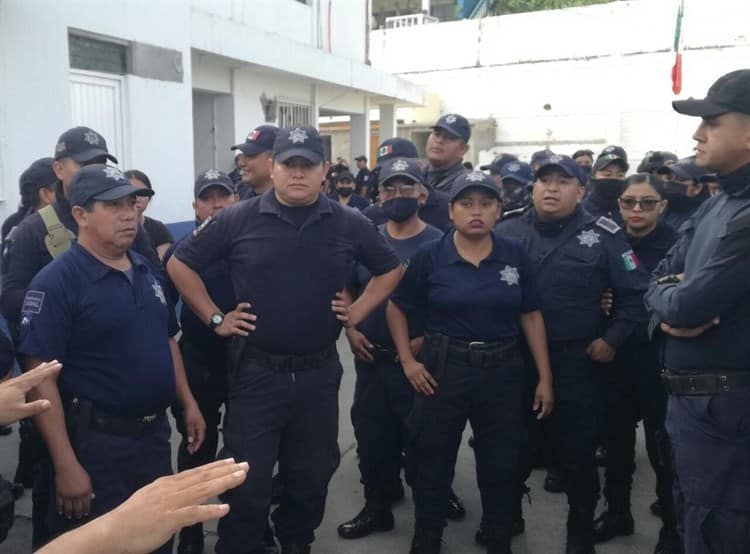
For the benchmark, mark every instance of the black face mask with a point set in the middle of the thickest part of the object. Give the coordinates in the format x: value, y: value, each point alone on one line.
x: 674, y: 191
x: 400, y: 209
x: 345, y: 191
x: 607, y: 191
x: 585, y: 169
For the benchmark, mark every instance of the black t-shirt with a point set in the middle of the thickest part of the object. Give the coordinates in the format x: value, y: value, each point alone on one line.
x: 157, y: 232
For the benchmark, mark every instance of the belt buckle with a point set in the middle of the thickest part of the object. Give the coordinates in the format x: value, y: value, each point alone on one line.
x: 149, y: 418
x: 474, y: 343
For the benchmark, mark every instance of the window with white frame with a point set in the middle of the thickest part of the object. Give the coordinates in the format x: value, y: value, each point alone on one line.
x: 292, y: 113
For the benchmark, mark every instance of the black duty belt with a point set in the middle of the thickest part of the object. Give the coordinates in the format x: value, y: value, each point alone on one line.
x: 289, y: 363
x: 382, y: 353
x: 685, y: 384
x: 479, y: 353
x: 84, y: 413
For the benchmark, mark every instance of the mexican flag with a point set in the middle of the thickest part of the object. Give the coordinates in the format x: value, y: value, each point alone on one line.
x: 677, y: 67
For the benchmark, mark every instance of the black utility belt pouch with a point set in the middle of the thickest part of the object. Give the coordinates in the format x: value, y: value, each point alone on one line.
x: 699, y: 384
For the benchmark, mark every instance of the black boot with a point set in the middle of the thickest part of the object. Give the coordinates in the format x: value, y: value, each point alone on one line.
x: 426, y: 541
x: 295, y: 549
x: 375, y: 516
x: 613, y: 523
x: 456, y: 508
x: 669, y: 541
x: 498, y: 539
x: 554, y: 481
x: 580, y: 531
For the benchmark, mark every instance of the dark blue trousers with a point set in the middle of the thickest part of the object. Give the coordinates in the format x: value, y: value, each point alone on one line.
x: 490, y: 399
x: 711, y: 441
x: 291, y: 418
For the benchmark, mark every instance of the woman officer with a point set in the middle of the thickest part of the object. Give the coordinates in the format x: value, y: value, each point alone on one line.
x: 476, y: 293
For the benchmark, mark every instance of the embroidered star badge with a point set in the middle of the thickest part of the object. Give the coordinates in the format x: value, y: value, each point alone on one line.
x: 114, y: 173
x: 475, y: 176
x: 159, y: 293
x: 588, y: 238
x: 400, y: 165
x: 211, y: 174
x: 298, y: 135
x: 450, y: 118
x: 509, y: 275
x: 91, y: 137
x: 513, y: 167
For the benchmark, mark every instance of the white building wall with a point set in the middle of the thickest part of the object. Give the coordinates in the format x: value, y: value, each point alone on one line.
x: 603, y: 71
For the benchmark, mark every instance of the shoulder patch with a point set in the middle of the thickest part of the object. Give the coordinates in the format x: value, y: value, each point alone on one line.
x: 608, y: 225
x: 32, y: 302
x: 206, y: 223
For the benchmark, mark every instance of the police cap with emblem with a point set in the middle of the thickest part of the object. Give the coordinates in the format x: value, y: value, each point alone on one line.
x: 408, y: 168
x: 654, y: 160
x: 260, y: 139
x: 101, y: 182
x: 730, y: 93
x: 497, y: 164
x: 473, y: 179
x: 82, y: 144
x: 39, y: 174
x: 565, y: 164
x: 303, y: 142
x: 609, y: 155
x: 684, y: 170
x: 540, y: 155
x: 517, y: 171
x: 456, y: 125
x: 396, y: 148
x: 213, y: 178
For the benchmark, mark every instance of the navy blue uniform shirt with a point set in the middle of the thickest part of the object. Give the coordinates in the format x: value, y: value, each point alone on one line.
x: 110, y: 335
x: 375, y: 327
x: 713, y: 252
x: 355, y: 201
x: 26, y: 254
x: 466, y: 302
x: 577, y: 260
x: 289, y: 275
x: 442, y: 179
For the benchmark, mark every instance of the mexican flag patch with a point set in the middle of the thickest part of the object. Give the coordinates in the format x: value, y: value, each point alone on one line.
x: 630, y: 260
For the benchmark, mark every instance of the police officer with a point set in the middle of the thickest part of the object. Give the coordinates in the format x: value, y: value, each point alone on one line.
x: 100, y: 310
x: 476, y: 294
x: 291, y: 252
x: 538, y: 156
x: 383, y: 397
x: 606, y: 183
x: 344, y: 192
x: 655, y: 160
x: 699, y: 300
x: 634, y: 389
x: 37, y: 189
x: 516, y: 179
x: 252, y: 161
x: 204, y: 352
x: 496, y: 165
x: 363, y: 183
x: 579, y: 256
x: 447, y: 144
x: 585, y: 159
x: 683, y: 189
x: 434, y: 211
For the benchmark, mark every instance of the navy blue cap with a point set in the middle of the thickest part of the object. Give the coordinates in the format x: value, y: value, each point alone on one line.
x: 611, y: 154
x: 684, y: 169
x: 39, y: 174
x: 82, y: 144
x: 519, y: 172
x: 213, y: 178
x: 565, y: 164
x: 400, y: 167
x: 260, y: 139
x: 303, y: 142
x: 496, y: 165
x: 655, y: 159
x: 539, y: 155
x: 456, y: 125
x: 346, y: 174
x: 730, y: 93
x: 396, y: 148
x: 101, y: 182
x: 473, y: 179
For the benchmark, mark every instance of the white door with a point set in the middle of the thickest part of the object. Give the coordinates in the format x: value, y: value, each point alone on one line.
x: 96, y: 101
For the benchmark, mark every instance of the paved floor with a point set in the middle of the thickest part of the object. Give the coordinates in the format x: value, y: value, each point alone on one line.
x: 545, y: 517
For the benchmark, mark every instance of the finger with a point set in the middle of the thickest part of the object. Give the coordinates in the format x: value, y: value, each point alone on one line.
x: 245, y: 325
x: 426, y: 386
x: 86, y: 504
x: 246, y: 316
x: 185, y: 478
x: 185, y: 517
x: 78, y: 510
x: 430, y: 379
x: 198, y: 437
x: 29, y: 409
x: 243, y: 306
x: 67, y: 509
x: 60, y: 502
x: 32, y: 378
x: 201, y: 491
x: 537, y: 403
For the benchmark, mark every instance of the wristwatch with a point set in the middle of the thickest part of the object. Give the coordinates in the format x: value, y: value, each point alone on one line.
x: 216, y: 320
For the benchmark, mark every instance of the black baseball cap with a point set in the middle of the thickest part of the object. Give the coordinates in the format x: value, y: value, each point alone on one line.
x: 730, y: 93
x: 101, y: 182
x: 400, y: 167
x: 360, y: 159
x: 39, y: 174
x: 565, y: 164
x: 496, y: 165
x: 260, y: 139
x: 396, y: 148
x: 611, y: 154
x: 517, y: 171
x: 473, y: 179
x: 213, y: 178
x: 303, y: 141
x: 82, y: 144
x: 656, y: 159
x: 684, y: 170
x: 540, y: 155
x: 344, y: 175
x: 456, y: 125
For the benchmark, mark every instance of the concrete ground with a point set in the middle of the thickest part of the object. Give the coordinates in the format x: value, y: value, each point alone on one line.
x: 545, y: 517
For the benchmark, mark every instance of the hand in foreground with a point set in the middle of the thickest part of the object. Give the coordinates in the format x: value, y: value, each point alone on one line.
x: 13, y: 405
x: 685, y: 333
x: 74, y: 491
x: 419, y: 377
x: 359, y: 345
x: 601, y: 352
x: 544, y: 399
x: 195, y: 427
x: 340, y: 306
x: 156, y: 512
x: 237, y: 322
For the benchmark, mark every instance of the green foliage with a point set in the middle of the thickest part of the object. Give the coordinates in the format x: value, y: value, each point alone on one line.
x: 502, y: 7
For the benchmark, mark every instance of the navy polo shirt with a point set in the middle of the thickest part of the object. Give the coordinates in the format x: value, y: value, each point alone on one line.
x: 467, y: 302
x: 110, y: 335
x: 288, y: 274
